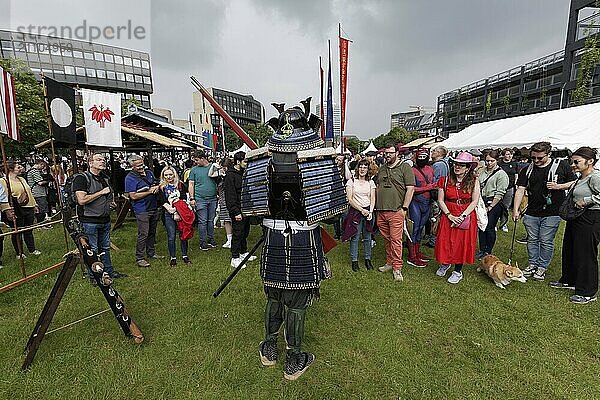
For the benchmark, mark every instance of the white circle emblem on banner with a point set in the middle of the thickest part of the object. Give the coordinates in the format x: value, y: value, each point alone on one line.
x: 61, y: 112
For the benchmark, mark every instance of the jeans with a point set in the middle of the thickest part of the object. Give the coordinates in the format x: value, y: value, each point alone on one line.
x: 487, y: 238
x: 171, y: 227
x: 26, y: 218
x: 368, y: 243
x: 239, y: 242
x: 99, y: 237
x: 146, y: 239
x: 205, y: 213
x: 540, y: 239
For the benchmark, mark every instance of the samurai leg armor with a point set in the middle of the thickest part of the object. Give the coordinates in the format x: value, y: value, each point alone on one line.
x: 294, y: 328
x: 274, y: 313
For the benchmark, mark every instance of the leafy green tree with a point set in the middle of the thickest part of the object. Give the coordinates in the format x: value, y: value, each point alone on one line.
x: 354, y: 145
x: 395, y: 135
x: 31, y: 110
x: 126, y: 103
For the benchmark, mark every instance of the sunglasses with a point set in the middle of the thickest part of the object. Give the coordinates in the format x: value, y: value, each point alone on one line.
x: 490, y: 161
x: 576, y: 162
x: 539, y: 158
x: 460, y: 165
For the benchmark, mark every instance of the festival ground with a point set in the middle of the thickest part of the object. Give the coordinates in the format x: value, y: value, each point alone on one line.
x: 373, y: 338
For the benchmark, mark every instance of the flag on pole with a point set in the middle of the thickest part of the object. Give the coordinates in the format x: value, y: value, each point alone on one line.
x: 322, y: 112
x: 8, y: 106
x: 343, y: 79
x: 102, y: 115
x: 329, y: 121
x: 61, y: 105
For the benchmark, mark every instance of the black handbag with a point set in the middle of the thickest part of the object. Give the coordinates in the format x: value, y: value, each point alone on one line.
x: 568, y: 210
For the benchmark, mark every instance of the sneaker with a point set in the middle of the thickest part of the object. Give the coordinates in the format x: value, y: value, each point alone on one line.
x: 397, y: 275
x: 22, y: 256
x: 561, y: 285
x: 480, y: 254
x: 1, y: 266
x: 204, y: 247
x: 373, y: 243
x: 530, y: 270
x: 504, y: 228
x: 417, y: 263
x: 578, y: 299
x: 442, y: 270
x: 296, y: 364
x: 212, y: 244
x: 117, y: 274
x: 455, y: 277
x: 156, y: 257
x: 143, y: 264
x: 35, y: 253
x: 267, y: 349
x: 540, y: 274
x: 243, y: 255
x: 235, y: 262
x: 173, y: 262
x: 226, y: 245
x: 385, y: 268
x: 522, y: 240
x: 186, y: 260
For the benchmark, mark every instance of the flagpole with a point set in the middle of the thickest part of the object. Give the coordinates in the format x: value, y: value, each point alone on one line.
x: 56, y: 183
x: 321, y: 114
x: 341, y: 123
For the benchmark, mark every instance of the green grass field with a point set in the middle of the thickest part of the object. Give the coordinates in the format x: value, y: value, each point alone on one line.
x: 373, y: 338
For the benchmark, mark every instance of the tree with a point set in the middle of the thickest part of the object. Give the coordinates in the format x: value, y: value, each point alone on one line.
x: 395, y: 135
x: 31, y: 110
x: 128, y: 102
x: 354, y: 145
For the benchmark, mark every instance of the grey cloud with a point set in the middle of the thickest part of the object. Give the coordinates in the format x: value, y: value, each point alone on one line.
x: 185, y: 33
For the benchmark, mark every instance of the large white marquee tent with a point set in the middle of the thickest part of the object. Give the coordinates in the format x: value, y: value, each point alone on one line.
x: 567, y: 128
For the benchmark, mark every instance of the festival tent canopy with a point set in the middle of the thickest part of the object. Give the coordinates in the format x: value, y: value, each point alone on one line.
x: 567, y: 128
x: 244, y: 148
x: 338, y: 150
x: 370, y: 148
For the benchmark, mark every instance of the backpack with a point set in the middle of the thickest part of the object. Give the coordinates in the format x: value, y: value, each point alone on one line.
x: 551, y: 172
x: 68, y: 194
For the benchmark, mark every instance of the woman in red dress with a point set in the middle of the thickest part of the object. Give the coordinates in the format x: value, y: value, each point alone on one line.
x: 457, y: 231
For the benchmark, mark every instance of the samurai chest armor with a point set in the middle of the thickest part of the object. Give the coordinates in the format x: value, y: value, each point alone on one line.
x: 293, y: 185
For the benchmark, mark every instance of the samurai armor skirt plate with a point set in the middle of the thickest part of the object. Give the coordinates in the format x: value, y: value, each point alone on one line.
x: 292, y: 255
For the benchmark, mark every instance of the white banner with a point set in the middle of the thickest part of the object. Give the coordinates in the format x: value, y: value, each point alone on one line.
x: 102, y: 112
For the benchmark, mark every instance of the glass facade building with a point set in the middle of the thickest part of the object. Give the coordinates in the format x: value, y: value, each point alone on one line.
x: 77, y: 62
x: 544, y: 84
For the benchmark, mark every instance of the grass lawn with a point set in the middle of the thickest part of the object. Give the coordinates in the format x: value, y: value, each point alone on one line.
x: 373, y: 338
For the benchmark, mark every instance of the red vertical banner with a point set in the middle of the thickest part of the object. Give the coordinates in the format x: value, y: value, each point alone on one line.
x: 322, y: 73
x: 343, y: 78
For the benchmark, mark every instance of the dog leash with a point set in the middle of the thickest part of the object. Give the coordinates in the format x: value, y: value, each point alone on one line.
x: 512, y: 243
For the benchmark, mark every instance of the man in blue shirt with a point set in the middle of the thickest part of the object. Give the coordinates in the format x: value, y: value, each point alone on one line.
x: 203, y: 198
x: 142, y: 187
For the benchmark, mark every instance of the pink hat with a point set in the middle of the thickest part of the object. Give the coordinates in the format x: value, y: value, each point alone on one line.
x: 464, y: 158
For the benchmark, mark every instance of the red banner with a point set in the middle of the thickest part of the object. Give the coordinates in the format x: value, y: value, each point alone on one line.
x: 343, y: 78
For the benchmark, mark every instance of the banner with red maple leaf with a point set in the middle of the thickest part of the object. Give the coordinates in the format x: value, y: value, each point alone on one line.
x: 102, y: 112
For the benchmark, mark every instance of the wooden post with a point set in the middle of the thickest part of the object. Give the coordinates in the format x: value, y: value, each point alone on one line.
x: 66, y: 273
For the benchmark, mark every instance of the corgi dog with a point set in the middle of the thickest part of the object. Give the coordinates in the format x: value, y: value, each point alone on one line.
x: 502, y: 274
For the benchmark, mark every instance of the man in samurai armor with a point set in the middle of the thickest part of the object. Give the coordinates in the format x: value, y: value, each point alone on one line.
x: 303, y: 187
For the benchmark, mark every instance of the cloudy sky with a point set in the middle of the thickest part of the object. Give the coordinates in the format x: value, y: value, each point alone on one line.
x: 404, y: 52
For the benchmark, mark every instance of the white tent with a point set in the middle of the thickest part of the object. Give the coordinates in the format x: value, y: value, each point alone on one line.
x: 244, y: 148
x: 567, y: 128
x: 370, y: 147
x: 338, y: 150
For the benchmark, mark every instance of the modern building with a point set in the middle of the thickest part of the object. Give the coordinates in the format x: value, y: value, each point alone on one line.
x: 398, y: 120
x: 81, y: 63
x: 337, y: 118
x: 544, y: 84
x: 243, y: 108
x: 424, y: 124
